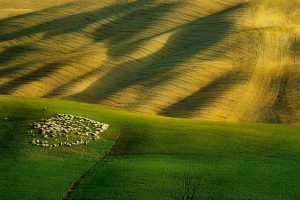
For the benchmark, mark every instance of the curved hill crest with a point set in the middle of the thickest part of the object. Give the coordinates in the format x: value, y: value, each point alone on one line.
x: 227, y: 60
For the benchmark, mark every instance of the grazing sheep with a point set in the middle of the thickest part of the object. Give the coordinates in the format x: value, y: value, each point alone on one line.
x: 65, y: 125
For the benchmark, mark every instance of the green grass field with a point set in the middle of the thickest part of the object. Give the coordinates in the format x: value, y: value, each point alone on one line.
x: 151, y: 158
x: 185, y: 86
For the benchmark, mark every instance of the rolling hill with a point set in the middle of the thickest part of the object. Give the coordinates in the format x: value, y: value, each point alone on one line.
x: 143, y: 67
x: 230, y: 60
x: 150, y: 157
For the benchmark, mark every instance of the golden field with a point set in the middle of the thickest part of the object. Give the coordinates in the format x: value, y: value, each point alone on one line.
x: 228, y: 60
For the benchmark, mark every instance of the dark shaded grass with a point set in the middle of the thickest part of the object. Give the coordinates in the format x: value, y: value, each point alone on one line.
x: 231, y: 160
x: 31, y: 172
x: 159, y: 177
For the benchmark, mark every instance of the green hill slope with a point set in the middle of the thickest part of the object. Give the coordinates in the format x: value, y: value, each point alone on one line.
x: 230, y: 60
x: 151, y: 158
x: 31, y: 172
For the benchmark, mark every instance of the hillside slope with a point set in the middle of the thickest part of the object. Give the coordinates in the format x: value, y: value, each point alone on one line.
x: 227, y: 60
x: 150, y: 158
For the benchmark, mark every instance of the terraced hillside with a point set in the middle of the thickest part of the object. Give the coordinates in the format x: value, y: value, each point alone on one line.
x: 230, y: 60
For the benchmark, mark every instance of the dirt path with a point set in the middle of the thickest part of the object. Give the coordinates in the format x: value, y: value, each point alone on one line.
x: 88, y: 172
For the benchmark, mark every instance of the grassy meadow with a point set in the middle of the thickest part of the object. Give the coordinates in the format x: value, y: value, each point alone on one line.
x: 201, y: 98
x: 31, y: 172
x: 151, y: 158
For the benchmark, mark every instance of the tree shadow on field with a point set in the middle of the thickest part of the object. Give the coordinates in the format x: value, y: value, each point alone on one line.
x: 120, y: 30
x: 296, y: 47
x: 44, y: 71
x: 14, y: 52
x: 6, y: 72
x: 124, y: 29
x: 73, y: 23
x: 204, y: 96
x: 28, y: 16
x: 60, y: 89
x: 186, y: 41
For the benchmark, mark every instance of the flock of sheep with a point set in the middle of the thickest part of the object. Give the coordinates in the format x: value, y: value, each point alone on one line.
x: 66, y: 130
